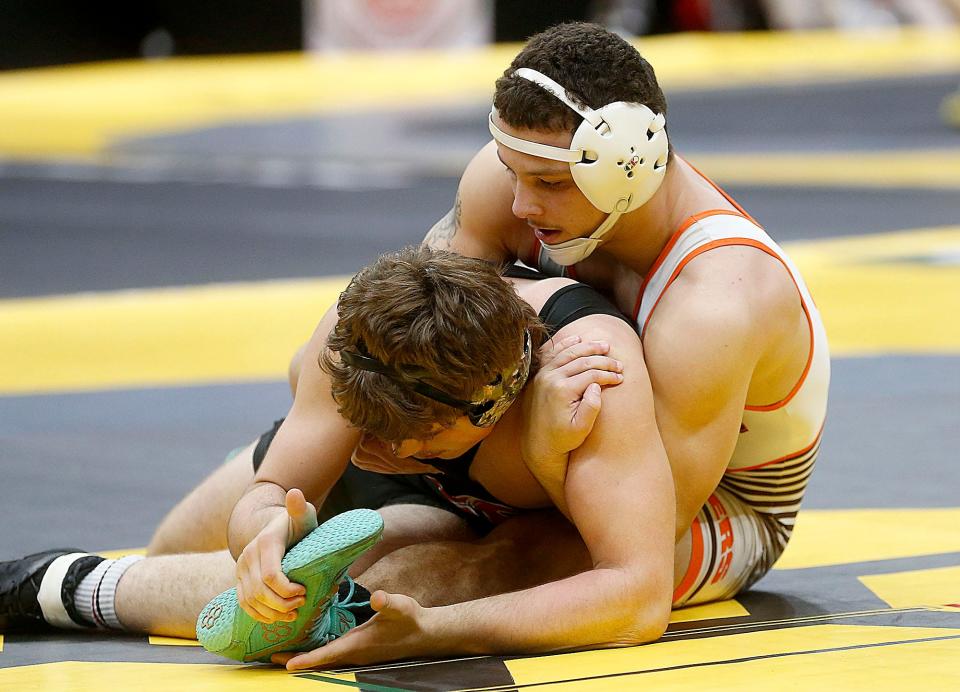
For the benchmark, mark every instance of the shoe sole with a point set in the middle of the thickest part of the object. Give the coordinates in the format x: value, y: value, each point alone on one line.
x: 318, y: 562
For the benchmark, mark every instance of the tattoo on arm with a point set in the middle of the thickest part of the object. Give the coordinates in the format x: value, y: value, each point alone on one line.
x: 442, y: 233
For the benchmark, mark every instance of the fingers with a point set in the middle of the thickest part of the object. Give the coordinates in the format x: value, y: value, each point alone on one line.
x: 260, y: 611
x: 589, y: 408
x: 576, y: 385
x: 265, y: 594
x: 586, y: 363
x: 263, y: 590
x: 581, y: 350
x: 326, y: 655
x: 553, y: 346
x: 271, y: 574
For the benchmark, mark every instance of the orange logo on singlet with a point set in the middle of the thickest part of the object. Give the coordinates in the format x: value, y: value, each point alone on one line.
x: 726, y: 539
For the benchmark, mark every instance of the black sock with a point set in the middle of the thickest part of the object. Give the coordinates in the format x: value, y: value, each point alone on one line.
x: 362, y: 613
x: 71, y: 580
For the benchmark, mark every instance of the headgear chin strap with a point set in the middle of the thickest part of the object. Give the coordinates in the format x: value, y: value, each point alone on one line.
x: 618, y: 157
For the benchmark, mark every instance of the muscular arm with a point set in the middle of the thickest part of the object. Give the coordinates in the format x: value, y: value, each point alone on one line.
x: 619, y: 492
x: 309, y: 452
x: 480, y: 223
x: 701, y: 351
x: 620, y: 495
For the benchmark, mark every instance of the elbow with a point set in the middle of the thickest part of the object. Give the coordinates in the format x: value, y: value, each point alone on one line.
x: 644, y: 622
x: 642, y: 629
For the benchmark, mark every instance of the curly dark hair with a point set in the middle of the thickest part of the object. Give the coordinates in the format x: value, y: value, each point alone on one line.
x: 594, y: 65
x: 452, y: 320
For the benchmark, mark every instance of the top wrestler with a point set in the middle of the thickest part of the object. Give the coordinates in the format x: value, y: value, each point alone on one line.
x: 580, y: 180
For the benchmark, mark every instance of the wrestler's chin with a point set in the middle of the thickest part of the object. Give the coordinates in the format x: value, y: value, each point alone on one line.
x: 444, y: 454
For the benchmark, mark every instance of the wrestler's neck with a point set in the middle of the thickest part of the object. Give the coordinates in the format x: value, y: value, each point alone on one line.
x: 640, y: 236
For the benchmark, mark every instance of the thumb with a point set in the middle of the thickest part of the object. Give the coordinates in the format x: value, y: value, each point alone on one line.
x: 393, y: 605
x: 303, y: 518
x: 589, y: 407
x: 380, y: 600
x: 296, y: 502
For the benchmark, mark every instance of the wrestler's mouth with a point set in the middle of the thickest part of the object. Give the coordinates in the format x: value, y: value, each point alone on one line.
x: 547, y: 235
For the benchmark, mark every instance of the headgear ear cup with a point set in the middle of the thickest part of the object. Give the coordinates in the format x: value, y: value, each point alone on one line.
x: 624, y: 167
x: 618, y: 158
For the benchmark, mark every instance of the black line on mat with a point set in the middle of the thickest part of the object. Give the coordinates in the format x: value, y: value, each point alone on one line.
x: 347, y: 683
x: 712, y: 663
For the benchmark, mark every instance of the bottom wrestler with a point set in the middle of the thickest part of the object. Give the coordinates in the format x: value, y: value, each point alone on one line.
x: 427, y: 355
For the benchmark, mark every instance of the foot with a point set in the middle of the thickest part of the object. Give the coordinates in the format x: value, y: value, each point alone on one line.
x: 319, y: 562
x: 339, y: 617
x: 37, y: 591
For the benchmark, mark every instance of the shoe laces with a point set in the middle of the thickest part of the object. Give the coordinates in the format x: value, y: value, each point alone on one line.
x: 331, y: 625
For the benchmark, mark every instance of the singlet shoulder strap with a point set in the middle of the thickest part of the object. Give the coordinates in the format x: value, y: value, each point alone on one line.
x: 516, y: 271
x: 574, y: 301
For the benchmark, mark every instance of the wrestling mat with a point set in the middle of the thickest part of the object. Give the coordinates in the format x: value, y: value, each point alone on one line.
x: 172, y: 231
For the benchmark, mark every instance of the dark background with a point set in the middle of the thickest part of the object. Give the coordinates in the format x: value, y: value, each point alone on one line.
x: 38, y: 33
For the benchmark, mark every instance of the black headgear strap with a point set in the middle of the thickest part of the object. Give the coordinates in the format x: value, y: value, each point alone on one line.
x: 367, y: 362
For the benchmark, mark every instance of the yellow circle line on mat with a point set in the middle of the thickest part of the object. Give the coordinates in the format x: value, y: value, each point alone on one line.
x: 924, y: 169
x: 879, y: 294
x: 80, y: 110
x: 159, y: 337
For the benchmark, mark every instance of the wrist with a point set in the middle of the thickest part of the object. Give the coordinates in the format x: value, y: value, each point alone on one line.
x: 442, y: 627
x: 252, y: 513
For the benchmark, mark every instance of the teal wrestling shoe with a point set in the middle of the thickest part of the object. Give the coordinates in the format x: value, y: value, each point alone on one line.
x: 320, y: 561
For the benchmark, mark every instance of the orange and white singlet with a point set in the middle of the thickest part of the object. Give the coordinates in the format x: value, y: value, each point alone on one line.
x: 746, y: 523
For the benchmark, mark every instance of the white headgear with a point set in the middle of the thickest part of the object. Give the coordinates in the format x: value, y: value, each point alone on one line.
x: 617, y: 157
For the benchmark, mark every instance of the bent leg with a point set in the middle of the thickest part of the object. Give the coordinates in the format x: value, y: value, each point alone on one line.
x: 525, y: 551
x: 411, y: 512
x: 198, y: 523
x: 728, y: 547
x: 408, y: 524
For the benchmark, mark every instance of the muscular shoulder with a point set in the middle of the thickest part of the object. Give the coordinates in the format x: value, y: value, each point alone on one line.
x: 728, y: 290
x: 716, y: 320
x: 481, y: 223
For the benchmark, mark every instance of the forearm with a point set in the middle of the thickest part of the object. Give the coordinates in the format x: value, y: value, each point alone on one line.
x: 599, y: 608
x: 262, y: 502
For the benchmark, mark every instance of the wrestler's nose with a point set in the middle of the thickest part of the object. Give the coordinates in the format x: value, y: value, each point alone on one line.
x: 525, y: 202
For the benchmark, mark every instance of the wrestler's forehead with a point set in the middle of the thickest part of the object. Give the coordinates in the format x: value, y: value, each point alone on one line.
x: 533, y: 165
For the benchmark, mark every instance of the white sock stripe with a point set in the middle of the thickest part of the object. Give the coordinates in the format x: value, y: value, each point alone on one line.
x: 48, y: 596
x: 85, y: 597
x: 107, y: 590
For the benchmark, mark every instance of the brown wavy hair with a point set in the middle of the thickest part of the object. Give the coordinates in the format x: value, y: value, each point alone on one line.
x: 452, y: 320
